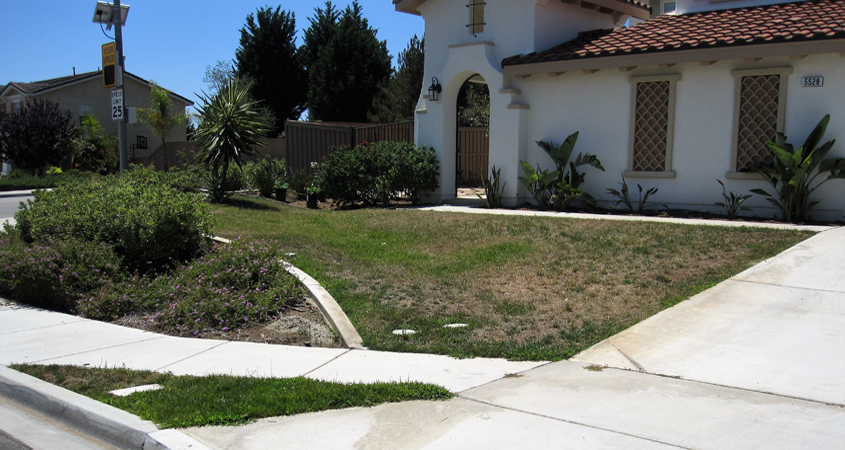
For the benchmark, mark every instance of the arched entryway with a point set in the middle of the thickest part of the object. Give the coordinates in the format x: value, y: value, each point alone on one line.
x: 472, y: 136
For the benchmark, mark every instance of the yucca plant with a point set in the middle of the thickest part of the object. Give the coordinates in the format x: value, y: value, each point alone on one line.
x: 733, y: 203
x: 492, y: 189
x: 792, y: 175
x: 229, y: 128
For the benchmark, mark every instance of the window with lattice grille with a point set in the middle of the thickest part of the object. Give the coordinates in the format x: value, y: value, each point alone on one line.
x: 759, y: 110
x: 652, y: 126
x: 476, y: 16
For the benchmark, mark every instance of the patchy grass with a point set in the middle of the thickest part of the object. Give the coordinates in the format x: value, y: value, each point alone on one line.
x: 528, y: 287
x: 187, y: 401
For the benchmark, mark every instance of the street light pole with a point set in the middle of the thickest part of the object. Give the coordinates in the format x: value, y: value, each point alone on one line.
x: 118, y: 72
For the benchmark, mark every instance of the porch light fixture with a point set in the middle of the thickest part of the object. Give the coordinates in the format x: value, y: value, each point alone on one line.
x: 434, y: 89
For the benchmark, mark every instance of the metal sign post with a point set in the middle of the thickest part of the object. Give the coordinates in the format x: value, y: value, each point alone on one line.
x: 115, y: 15
x: 119, y: 68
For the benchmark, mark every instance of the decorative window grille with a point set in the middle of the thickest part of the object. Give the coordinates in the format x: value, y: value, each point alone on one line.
x: 476, y: 16
x: 141, y: 142
x: 651, y: 126
x: 759, y: 104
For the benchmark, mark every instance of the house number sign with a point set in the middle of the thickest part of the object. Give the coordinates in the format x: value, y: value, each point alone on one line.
x: 813, y: 81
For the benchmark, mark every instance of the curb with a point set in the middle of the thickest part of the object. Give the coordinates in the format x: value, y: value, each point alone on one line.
x: 22, y: 193
x: 102, y: 421
x: 330, y: 309
x: 328, y: 306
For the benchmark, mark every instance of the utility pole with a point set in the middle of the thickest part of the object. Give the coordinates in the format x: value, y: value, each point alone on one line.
x: 118, y: 71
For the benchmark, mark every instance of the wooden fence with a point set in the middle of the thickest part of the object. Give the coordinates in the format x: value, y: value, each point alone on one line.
x: 311, y: 141
x: 180, y: 153
x: 473, y: 151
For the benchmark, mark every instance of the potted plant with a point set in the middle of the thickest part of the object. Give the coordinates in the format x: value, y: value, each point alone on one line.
x: 281, y: 190
x: 312, y: 196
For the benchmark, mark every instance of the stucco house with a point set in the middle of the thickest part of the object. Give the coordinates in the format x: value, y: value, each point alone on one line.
x: 674, y: 102
x: 84, y: 92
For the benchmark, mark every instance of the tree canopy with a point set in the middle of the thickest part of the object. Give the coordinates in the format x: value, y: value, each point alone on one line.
x: 159, y: 117
x: 267, y: 57
x: 398, y: 95
x: 37, y: 136
x: 346, y: 63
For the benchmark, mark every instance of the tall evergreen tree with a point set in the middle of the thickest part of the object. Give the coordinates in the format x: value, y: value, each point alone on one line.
x: 267, y: 56
x: 346, y: 63
x: 398, y: 95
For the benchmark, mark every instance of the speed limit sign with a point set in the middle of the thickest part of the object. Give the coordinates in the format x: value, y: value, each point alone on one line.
x: 117, y: 104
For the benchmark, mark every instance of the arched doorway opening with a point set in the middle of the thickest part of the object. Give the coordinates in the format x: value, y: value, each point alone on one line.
x: 473, y: 136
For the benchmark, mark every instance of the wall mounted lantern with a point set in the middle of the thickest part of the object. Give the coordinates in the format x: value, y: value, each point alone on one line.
x: 434, y: 89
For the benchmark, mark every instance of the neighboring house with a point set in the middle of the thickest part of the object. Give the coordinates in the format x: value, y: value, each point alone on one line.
x: 674, y: 102
x: 85, y: 93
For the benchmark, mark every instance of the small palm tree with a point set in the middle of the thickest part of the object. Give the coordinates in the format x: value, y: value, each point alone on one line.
x: 159, y: 117
x: 230, y: 125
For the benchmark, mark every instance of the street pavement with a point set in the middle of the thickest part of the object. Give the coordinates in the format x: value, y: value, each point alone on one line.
x: 9, y: 205
x: 24, y: 429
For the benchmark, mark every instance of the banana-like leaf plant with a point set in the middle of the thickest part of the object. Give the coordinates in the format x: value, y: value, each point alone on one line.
x: 569, y: 179
x: 539, y: 183
x: 792, y: 175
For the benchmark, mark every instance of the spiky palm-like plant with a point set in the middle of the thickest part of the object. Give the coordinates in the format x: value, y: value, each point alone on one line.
x: 229, y: 128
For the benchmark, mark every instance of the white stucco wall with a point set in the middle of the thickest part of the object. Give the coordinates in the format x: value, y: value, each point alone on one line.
x: 598, y: 106
x: 453, y: 55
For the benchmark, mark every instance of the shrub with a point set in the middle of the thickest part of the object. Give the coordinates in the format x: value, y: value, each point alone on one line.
x: 39, y: 135
x: 148, y: 223
x: 231, y: 286
x: 377, y: 173
x: 492, y: 189
x: 221, y: 188
x: 23, y: 181
x: 55, y: 273
x: 625, y: 197
x: 263, y: 174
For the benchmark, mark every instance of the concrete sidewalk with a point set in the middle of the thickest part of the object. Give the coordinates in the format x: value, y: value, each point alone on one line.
x: 755, y: 362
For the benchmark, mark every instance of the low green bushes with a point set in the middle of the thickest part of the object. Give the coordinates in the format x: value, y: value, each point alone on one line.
x: 234, y: 285
x: 147, y: 222
x: 377, y: 173
x: 21, y: 180
x: 55, y: 273
x: 264, y: 174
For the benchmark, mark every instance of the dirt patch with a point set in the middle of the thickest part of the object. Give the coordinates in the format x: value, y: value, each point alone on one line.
x: 301, y: 325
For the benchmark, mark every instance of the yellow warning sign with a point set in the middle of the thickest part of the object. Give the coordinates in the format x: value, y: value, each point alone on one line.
x: 109, y: 58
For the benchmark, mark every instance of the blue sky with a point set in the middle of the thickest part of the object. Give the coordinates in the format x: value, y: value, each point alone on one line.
x: 170, y: 42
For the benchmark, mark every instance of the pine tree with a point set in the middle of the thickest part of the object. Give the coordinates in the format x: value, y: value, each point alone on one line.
x: 345, y: 63
x: 398, y: 95
x: 268, y: 57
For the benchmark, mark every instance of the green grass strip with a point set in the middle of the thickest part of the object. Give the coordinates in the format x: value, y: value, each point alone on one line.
x: 188, y: 401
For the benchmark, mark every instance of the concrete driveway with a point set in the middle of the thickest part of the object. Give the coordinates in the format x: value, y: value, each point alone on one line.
x: 757, y: 361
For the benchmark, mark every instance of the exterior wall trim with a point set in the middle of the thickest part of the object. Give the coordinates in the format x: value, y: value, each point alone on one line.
x: 740, y: 52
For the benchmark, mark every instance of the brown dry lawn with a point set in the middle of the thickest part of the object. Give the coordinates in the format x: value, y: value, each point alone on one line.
x: 528, y: 287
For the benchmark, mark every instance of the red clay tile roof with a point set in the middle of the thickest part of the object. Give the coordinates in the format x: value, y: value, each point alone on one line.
x: 785, y: 22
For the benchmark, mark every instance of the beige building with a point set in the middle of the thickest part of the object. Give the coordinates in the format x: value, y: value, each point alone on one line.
x: 84, y: 92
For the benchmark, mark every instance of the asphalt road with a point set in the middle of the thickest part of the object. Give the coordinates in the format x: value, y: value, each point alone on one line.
x: 8, y: 208
x: 9, y: 443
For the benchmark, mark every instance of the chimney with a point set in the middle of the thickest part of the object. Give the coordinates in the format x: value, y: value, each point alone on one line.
x: 74, y: 71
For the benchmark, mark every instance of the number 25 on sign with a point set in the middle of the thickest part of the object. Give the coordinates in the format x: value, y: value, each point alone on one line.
x: 117, y: 104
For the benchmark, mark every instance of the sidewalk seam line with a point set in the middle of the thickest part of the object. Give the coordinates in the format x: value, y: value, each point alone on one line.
x: 191, y: 356
x: 595, y: 427
x: 545, y: 363
x: 786, y: 286
x: 96, y: 349
x: 327, y: 362
x: 82, y: 320
x: 635, y: 363
x: 739, y: 388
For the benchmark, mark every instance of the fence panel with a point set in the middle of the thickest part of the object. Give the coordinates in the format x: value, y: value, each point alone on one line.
x: 394, y: 132
x: 309, y: 142
x: 181, y: 153
x: 473, y: 154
